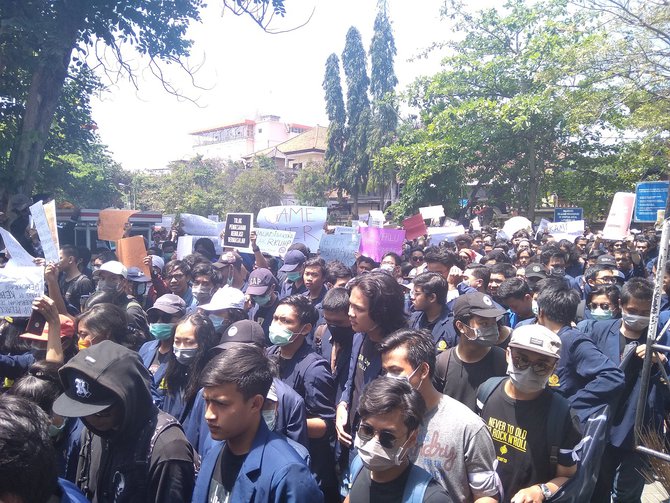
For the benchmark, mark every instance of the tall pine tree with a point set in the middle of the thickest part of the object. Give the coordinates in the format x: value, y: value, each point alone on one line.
x: 356, y: 156
x: 384, y: 105
x: 337, y: 115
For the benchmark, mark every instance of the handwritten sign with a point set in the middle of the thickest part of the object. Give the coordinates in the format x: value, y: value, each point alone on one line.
x: 18, y: 255
x: 131, y: 252
x: 376, y: 242
x: 439, y: 234
x: 566, y: 230
x: 306, y: 221
x: 340, y: 247
x: 237, y: 230
x: 112, y: 223
x: 432, y: 212
x: 19, y: 287
x: 49, y: 244
x: 196, y: 225
x: 273, y: 241
x: 414, y: 226
x: 618, y: 221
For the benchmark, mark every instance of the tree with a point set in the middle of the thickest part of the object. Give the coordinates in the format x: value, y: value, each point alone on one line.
x: 255, y: 189
x: 356, y: 156
x: 311, y: 185
x: 384, y: 106
x: 334, y: 163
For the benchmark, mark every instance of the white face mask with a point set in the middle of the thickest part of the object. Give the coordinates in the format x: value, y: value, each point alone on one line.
x: 270, y: 418
x: 635, y: 322
x: 534, y: 307
x: 377, y: 458
x: 526, y: 381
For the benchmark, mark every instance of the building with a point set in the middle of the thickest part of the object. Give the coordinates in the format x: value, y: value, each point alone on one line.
x: 239, y: 139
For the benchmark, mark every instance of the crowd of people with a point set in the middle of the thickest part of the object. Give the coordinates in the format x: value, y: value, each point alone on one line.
x: 465, y: 371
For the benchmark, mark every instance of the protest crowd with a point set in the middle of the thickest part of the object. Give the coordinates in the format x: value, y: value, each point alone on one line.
x: 488, y: 366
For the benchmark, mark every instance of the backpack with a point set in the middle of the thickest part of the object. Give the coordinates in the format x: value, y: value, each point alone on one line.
x: 415, y: 487
x: 559, y: 408
x: 441, y: 369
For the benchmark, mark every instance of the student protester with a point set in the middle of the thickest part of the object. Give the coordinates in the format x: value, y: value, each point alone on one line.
x: 71, y: 281
x: 392, y: 262
x: 499, y: 273
x: 476, y: 357
x: 522, y: 414
x: 107, y: 386
x: 193, y: 339
x: 516, y: 295
x: 364, y: 265
x: 262, y: 289
x: 314, y: 277
x: 205, y: 247
x: 178, y: 275
x: 585, y: 376
x: 338, y: 274
x: 477, y: 277
x: 429, y: 294
x: 206, y: 281
x: 253, y: 464
x: 28, y: 470
x: 335, y: 338
x: 294, y: 266
x: 226, y: 307
x: 417, y: 258
x: 629, y: 263
x: 623, y: 341
x: 391, y: 413
x: 453, y: 443
x: 159, y: 286
x: 309, y: 375
x: 102, y: 322
x: 555, y: 260
x: 375, y: 310
x: 602, y: 303
x: 440, y: 260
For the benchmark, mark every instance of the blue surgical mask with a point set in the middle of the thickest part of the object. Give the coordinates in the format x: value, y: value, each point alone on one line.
x: 280, y: 336
x: 161, y: 331
x: 270, y: 418
x: 293, y: 276
x: 217, y: 321
x: 262, y: 300
x: 602, y: 314
x: 55, y: 431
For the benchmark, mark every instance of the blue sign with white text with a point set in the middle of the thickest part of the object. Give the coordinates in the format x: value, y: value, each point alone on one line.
x: 649, y: 198
x: 568, y: 214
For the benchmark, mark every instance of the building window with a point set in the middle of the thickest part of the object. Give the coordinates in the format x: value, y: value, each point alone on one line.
x: 260, y: 130
x: 297, y: 165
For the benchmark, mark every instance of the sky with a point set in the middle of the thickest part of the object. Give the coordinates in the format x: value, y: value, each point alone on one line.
x: 243, y: 72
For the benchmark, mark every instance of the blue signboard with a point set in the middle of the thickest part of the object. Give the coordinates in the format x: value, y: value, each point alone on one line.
x: 568, y: 214
x: 649, y: 198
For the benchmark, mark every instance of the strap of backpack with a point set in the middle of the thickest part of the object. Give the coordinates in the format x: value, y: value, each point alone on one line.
x: 486, y: 388
x: 318, y: 335
x: 416, y: 485
x: 441, y: 369
x: 559, y: 412
x: 355, y: 468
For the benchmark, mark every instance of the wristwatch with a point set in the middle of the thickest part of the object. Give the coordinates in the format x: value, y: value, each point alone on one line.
x: 546, y: 492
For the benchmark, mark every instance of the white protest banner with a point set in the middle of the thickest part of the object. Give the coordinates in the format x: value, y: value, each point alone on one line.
x: 439, y: 234
x: 340, y: 247
x: 19, y: 256
x: 339, y: 229
x: 618, y: 220
x: 306, y: 221
x: 376, y: 218
x: 514, y: 225
x: 184, y: 246
x: 476, y: 226
x: 544, y: 225
x: 432, y: 212
x: 49, y: 246
x: 566, y: 230
x: 19, y: 287
x: 273, y: 241
x: 199, y: 226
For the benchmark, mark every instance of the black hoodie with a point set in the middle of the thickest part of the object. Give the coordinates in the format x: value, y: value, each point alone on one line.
x: 113, y: 466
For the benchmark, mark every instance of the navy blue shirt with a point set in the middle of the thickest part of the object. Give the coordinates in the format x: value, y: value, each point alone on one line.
x: 443, y: 331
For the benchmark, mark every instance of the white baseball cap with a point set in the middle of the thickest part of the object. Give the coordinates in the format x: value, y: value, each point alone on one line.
x: 225, y: 298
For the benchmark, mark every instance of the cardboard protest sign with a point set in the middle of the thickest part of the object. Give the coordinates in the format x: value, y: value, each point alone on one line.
x: 112, y: 223
x: 306, y: 221
x: 439, y: 234
x: 18, y: 255
x: 196, y: 225
x: 566, y: 230
x: 514, y: 225
x: 131, y: 252
x: 376, y: 218
x: 340, y: 247
x: 273, y: 241
x: 375, y: 242
x: 618, y: 221
x: 414, y: 226
x: 188, y: 242
x: 237, y: 229
x: 19, y: 287
x: 432, y: 212
x: 49, y: 243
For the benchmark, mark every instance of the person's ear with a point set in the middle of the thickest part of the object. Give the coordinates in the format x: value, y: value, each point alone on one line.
x: 257, y: 403
x: 460, y: 326
x: 432, y: 297
x: 425, y: 371
x: 309, y: 329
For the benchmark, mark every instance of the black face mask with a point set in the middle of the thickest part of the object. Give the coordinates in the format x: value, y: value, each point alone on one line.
x: 341, y: 334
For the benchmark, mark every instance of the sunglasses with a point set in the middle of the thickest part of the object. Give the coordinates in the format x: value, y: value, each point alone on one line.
x: 596, y: 305
x: 520, y: 362
x: 416, y: 258
x: 386, y: 439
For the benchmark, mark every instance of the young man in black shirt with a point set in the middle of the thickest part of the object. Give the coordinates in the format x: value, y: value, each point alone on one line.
x: 391, y: 412
x: 72, y: 283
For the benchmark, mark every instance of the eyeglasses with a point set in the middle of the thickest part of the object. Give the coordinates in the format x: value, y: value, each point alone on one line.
x: 386, y: 438
x: 177, y: 276
x: 520, y: 362
x: 416, y: 258
x: 606, y: 279
x: 596, y: 305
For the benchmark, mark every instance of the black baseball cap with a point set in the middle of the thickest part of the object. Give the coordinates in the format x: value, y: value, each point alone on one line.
x: 259, y: 282
x: 293, y: 260
x: 170, y: 304
x: 476, y: 303
x: 242, y: 332
x: 536, y: 271
x: 606, y: 260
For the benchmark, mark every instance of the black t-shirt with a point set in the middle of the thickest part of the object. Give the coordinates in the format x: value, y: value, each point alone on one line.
x: 369, y: 352
x: 227, y: 468
x: 519, y: 431
x: 73, y: 290
x: 366, y: 490
x: 159, y: 359
x: 463, y: 378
